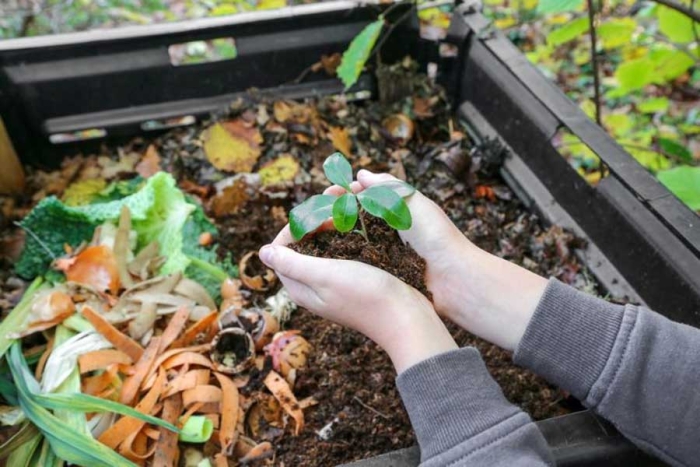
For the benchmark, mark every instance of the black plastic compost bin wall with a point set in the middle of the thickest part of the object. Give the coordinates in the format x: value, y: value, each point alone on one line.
x: 117, y: 80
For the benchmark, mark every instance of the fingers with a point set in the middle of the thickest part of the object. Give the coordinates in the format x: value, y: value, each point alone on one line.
x: 301, y: 294
x: 301, y: 268
x: 367, y: 178
x: 337, y: 190
x: 284, y: 238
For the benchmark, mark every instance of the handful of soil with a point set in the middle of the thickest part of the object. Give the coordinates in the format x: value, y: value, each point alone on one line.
x: 385, y: 250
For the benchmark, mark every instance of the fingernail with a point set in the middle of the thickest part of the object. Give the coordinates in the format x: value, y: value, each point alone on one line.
x: 266, y: 254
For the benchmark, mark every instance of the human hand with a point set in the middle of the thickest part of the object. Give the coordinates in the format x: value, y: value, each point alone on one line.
x: 388, y: 311
x: 482, y: 293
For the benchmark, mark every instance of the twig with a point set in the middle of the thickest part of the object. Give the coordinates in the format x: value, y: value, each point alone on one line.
x: 36, y: 239
x: 594, y: 61
x: 390, y: 29
x: 679, y: 7
x: 372, y: 409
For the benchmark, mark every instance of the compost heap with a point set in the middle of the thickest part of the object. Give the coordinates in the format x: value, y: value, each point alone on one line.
x: 138, y: 358
x: 130, y: 264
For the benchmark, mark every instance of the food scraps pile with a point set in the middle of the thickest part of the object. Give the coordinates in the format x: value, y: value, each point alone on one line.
x: 117, y: 355
x: 134, y: 362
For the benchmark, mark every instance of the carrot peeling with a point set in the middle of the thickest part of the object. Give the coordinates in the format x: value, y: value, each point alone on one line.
x: 101, y: 359
x: 175, y: 327
x: 132, y: 384
x: 229, y: 413
x: 126, y: 426
x: 167, y: 451
x: 195, y: 330
x: 280, y: 389
x: 117, y: 339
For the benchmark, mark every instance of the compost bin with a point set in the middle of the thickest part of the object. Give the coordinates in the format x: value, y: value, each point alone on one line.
x: 69, y: 94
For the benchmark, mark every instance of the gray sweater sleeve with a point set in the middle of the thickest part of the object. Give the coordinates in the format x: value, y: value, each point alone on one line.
x: 632, y: 366
x: 461, y: 417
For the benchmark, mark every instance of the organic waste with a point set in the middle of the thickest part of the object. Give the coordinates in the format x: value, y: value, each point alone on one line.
x: 143, y: 303
x: 135, y: 357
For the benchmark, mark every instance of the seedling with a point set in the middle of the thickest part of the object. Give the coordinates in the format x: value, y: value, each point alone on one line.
x: 385, y: 200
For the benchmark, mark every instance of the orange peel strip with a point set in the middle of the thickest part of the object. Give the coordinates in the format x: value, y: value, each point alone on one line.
x: 174, y: 328
x: 196, y: 329
x: 100, y: 359
x: 280, y: 389
x: 126, y: 426
x: 167, y: 451
x: 130, y: 388
x: 229, y: 413
x: 119, y: 340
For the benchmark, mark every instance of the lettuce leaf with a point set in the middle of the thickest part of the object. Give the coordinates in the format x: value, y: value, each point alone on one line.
x: 159, y: 211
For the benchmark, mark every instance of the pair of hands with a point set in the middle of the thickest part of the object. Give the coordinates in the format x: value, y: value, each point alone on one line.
x: 486, y: 295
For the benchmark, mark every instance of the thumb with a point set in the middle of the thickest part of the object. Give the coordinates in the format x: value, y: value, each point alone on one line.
x: 368, y: 179
x: 301, y: 268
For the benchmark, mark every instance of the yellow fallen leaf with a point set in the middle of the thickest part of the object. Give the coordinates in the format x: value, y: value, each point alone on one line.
x: 282, y: 169
x: 341, y: 140
x: 228, y: 152
x: 83, y: 192
x: 271, y: 4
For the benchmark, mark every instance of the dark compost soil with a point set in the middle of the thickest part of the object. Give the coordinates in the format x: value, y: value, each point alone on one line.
x: 359, y: 412
x: 384, y: 250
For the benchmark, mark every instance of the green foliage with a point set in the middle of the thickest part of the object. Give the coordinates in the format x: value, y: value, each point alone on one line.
x: 676, y: 149
x: 67, y: 443
x: 160, y: 212
x: 310, y: 214
x: 568, y: 32
x: 356, y: 55
x: 338, y: 170
x: 684, y: 182
x: 653, y: 105
x: 558, y: 6
x: 616, y: 32
x: 345, y: 212
x: 675, y: 25
x: 382, y: 202
x: 14, y: 320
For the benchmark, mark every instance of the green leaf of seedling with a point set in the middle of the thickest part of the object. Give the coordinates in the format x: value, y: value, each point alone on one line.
x: 345, y: 213
x: 310, y: 214
x: 684, y: 182
x: 399, y: 187
x: 676, y: 149
x: 558, y: 6
x: 356, y: 55
x: 338, y: 170
x: 568, y: 32
x: 382, y: 202
x: 616, y: 32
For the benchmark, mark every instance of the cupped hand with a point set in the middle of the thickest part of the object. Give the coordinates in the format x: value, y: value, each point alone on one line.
x: 388, y: 311
x: 482, y: 293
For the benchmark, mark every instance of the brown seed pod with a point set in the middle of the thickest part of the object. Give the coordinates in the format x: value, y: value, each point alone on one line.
x: 400, y: 127
x: 233, y: 351
x: 261, y: 324
x: 254, y: 274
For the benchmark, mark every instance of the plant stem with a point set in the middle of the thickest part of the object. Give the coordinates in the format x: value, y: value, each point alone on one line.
x: 212, y: 270
x: 363, y: 231
x: 594, y: 60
